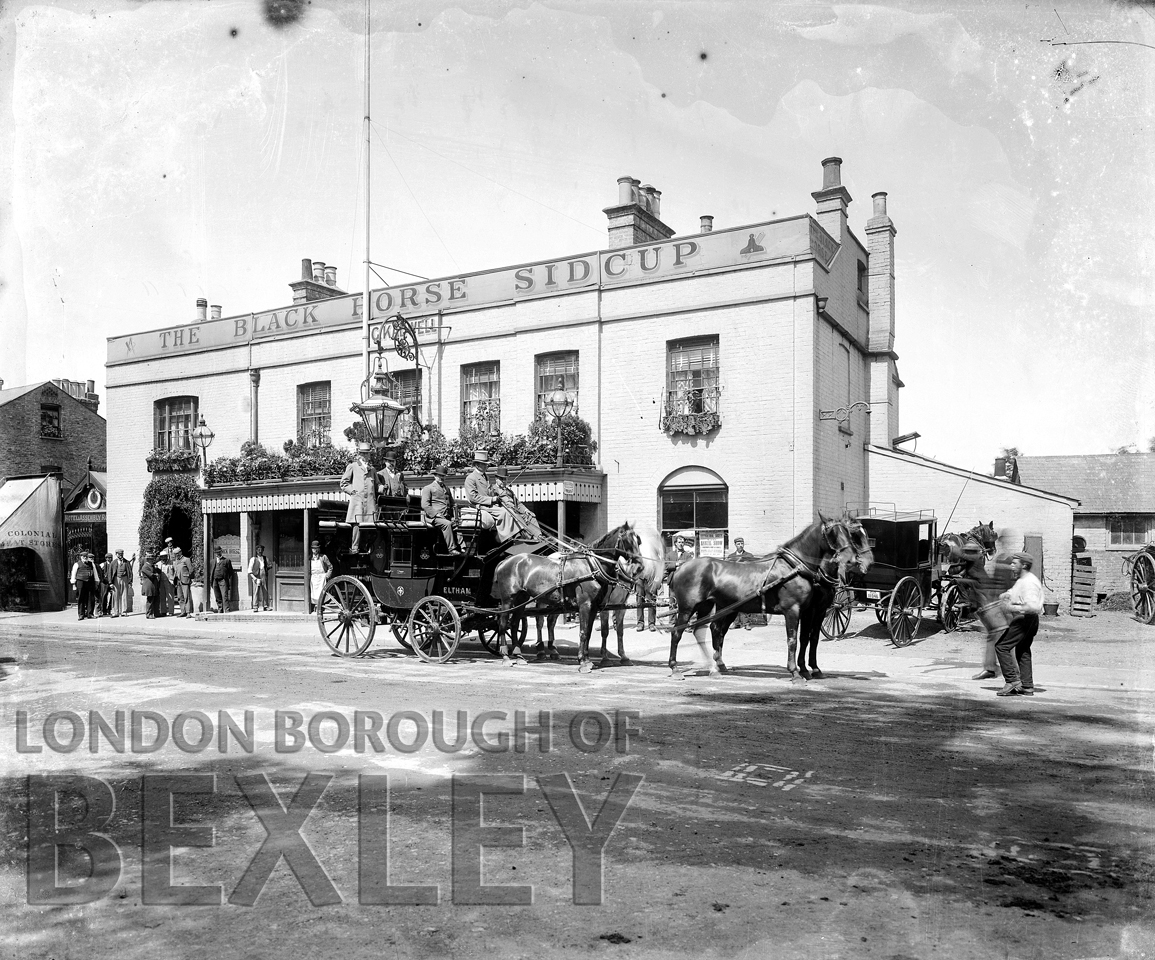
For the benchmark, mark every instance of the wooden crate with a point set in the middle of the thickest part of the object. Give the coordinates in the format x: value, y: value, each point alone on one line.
x: 1082, y: 585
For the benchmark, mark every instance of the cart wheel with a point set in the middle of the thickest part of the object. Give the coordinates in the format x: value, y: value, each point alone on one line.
x: 950, y: 609
x: 346, y: 616
x: 401, y: 633
x: 491, y: 639
x: 904, y: 612
x: 837, y: 619
x: 434, y: 629
x: 1143, y: 588
x: 880, y: 612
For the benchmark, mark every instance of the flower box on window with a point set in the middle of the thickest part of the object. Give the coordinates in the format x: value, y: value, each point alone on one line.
x: 692, y: 411
x: 172, y: 461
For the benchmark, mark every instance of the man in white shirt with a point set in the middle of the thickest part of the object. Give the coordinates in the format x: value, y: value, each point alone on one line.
x: 1024, y: 603
x: 259, y: 578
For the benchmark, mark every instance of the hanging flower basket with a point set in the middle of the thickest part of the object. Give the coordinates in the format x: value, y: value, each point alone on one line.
x: 691, y: 423
x: 172, y: 461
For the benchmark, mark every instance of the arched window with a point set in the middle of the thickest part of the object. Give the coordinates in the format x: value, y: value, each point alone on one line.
x: 694, y: 498
x: 173, y: 422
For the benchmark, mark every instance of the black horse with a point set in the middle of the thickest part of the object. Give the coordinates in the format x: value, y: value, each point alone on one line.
x: 786, y: 580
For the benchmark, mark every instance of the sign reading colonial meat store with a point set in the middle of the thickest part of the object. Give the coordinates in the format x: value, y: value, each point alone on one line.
x: 424, y: 303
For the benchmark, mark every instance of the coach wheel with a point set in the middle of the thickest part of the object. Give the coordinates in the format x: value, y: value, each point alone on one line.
x: 491, y: 639
x: 880, y: 613
x: 837, y: 619
x: 950, y: 609
x: 434, y: 629
x: 347, y: 616
x: 1143, y: 587
x: 904, y: 612
x: 401, y: 633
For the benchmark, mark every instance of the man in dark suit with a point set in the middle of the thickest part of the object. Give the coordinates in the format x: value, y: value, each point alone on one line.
x: 149, y: 586
x: 741, y: 556
x: 182, y: 580
x: 222, y: 579
x: 107, y: 588
x: 85, y: 579
x: 438, y: 505
x: 361, y: 484
x: 122, y: 581
x: 391, y: 480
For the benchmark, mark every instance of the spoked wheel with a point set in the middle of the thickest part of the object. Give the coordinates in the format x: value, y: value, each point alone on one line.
x: 837, y: 619
x: 401, y: 633
x: 434, y: 629
x: 491, y: 639
x: 950, y: 608
x: 1143, y: 587
x: 880, y: 613
x: 347, y: 616
x: 904, y: 612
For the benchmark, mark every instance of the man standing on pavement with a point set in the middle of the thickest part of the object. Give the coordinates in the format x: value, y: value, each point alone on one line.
x: 107, y: 589
x: 85, y: 579
x: 1024, y: 603
x: 149, y: 586
x: 122, y: 581
x: 182, y: 580
x: 438, y: 505
x: 740, y: 556
x: 222, y: 578
x: 259, y: 578
x: 360, y: 483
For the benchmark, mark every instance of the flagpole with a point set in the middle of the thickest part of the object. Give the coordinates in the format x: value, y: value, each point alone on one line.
x: 366, y: 301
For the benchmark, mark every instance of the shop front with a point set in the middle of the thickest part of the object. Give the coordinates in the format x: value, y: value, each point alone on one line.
x: 32, y: 574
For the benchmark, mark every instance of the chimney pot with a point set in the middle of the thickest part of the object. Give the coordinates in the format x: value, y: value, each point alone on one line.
x: 91, y: 386
x: 626, y: 190
x: 215, y: 311
x: 880, y: 203
x: 707, y: 224
x: 202, y: 308
x: 318, y: 271
x: 831, y: 172
x: 331, y: 276
x: 306, y: 269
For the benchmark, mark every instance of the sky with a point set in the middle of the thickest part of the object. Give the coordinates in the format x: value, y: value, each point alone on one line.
x: 162, y: 151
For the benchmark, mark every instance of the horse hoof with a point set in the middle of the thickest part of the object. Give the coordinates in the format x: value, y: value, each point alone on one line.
x: 586, y: 666
x: 625, y: 662
x: 516, y: 662
x: 539, y: 656
x: 722, y: 668
x: 816, y: 674
x: 674, y: 675
x: 553, y: 654
x: 797, y: 679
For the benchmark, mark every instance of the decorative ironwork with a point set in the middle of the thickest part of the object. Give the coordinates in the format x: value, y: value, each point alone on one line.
x: 404, y: 337
x: 842, y: 414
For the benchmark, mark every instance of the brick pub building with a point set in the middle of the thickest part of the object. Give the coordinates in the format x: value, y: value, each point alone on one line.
x: 702, y: 362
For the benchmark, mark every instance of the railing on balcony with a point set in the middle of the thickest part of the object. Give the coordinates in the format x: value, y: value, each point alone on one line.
x: 692, y: 410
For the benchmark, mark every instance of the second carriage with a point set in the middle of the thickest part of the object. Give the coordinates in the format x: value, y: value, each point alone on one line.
x: 905, y: 582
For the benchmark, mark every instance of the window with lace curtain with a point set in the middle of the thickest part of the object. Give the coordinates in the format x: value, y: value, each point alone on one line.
x: 314, y: 413
x: 692, y: 386
x: 481, y: 396
x: 549, y: 368
x: 173, y: 422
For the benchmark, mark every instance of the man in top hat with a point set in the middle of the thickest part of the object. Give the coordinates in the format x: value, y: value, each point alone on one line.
x: 391, y: 479
x: 222, y: 578
x: 360, y: 482
x: 85, y: 579
x: 489, y: 511
x: 122, y: 582
x: 438, y: 505
x: 182, y: 580
x: 1024, y: 602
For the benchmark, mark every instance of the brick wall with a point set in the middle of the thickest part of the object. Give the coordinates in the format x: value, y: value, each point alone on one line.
x: 1109, y: 575
x: 23, y: 450
x: 913, y: 483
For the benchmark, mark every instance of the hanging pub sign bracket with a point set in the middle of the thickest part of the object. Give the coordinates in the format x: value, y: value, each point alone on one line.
x: 842, y: 414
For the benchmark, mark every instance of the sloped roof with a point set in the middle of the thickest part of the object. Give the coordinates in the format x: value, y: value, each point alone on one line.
x: 92, y: 478
x: 13, y: 392
x: 1104, y: 483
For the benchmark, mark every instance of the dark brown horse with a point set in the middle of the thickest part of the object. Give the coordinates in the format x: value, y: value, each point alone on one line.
x: 984, y: 534
x: 785, y: 580
x: 581, y: 579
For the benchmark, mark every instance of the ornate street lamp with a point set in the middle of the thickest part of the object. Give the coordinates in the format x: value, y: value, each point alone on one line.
x: 202, y: 438
x: 559, y: 403
x: 377, y: 409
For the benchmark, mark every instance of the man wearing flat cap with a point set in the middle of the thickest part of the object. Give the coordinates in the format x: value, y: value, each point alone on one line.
x: 360, y: 482
x: 1023, y: 602
x: 222, y: 579
x: 479, y: 494
x: 439, y: 507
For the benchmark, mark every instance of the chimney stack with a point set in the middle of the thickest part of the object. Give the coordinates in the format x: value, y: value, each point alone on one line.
x: 884, y: 379
x: 833, y: 199
x: 318, y: 271
x: 215, y: 311
x: 306, y: 269
x: 331, y: 276
x: 707, y: 224
x: 318, y: 282
x: 635, y: 217
x: 90, y: 387
x: 202, y: 308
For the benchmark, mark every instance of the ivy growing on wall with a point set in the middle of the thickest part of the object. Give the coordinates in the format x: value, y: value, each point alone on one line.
x: 166, y: 494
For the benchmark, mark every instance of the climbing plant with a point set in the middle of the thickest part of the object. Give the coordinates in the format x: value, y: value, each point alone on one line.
x: 166, y: 494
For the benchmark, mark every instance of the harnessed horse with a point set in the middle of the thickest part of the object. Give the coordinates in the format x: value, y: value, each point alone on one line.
x: 785, y: 580
x: 583, y: 578
x: 647, y: 583
x: 984, y: 534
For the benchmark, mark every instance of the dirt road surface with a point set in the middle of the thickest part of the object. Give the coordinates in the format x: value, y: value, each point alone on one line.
x: 893, y: 809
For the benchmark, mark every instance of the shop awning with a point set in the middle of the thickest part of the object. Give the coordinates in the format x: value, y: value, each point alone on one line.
x: 30, y: 519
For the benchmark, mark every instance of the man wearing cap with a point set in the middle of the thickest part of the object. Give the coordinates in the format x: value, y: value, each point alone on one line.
x: 182, y: 579
x: 85, y: 579
x: 106, y: 587
x: 438, y: 505
x: 391, y: 479
x: 259, y: 578
x: 122, y: 581
x: 360, y: 483
x: 1024, y: 603
x: 741, y: 556
x: 165, y: 555
x: 148, y: 584
x: 489, y: 511
x: 222, y: 578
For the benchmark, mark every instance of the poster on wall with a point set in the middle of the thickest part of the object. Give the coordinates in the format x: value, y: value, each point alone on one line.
x: 230, y: 545
x: 712, y: 543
